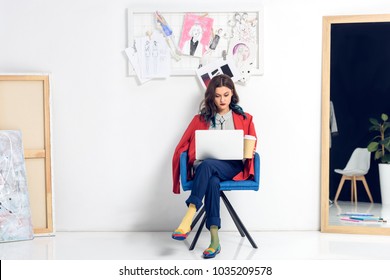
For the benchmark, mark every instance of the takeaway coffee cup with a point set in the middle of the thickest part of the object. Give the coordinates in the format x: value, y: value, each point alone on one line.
x: 249, y: 145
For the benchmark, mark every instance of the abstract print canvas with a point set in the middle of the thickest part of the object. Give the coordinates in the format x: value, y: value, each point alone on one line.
x: 15, y: 213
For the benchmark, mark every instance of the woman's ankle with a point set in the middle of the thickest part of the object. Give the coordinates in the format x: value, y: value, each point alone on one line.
x: 214, y: 237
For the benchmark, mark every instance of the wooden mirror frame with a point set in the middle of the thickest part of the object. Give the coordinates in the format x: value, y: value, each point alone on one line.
x: 325, y: 132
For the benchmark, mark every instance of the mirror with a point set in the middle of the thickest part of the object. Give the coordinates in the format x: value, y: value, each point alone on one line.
x: 355, y: 87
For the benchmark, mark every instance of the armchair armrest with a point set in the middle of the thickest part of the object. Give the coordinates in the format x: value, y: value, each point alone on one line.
x: 257, y: 168
x: 186, y: 185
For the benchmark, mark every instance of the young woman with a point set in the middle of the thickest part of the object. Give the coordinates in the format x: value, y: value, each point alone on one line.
x: 218, y: 110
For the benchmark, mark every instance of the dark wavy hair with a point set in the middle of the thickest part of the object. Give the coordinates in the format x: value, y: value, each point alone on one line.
x: 207, y: 107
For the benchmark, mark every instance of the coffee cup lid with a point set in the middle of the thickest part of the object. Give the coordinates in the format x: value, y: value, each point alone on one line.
x: 250, y: 137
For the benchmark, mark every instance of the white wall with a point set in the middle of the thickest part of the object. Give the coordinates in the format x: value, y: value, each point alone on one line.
x: 113, y: 139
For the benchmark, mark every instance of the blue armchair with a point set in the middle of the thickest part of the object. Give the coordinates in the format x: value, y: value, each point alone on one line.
x: 230, y: 185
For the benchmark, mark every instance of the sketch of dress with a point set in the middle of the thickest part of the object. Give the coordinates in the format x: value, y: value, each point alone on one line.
x: 154, y: 56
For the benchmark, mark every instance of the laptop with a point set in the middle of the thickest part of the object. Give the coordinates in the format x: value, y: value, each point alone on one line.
x: 219, y: 144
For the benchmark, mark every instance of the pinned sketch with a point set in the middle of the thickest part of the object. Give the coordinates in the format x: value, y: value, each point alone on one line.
x: 196, y: 34
x: 243, y: 27
x: 215, y: 47
x: 155, y: 56
x: 150, y: 57
x: 243, y: 45
x: 244, y: 56
x: 217, y: 67
x: 134, y: 58
x: 167, y: 32
x: 15, y: 213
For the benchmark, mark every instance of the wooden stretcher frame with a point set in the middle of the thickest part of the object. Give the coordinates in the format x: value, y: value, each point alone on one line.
x: 25, y: 106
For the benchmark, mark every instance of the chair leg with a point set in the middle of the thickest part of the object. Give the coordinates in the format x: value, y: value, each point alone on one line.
x: 240, y: 226
x: 198, y: 233
x: 341, y: 184
x: 230, y: 209
x: 238, y: 220
x: 198, y: 216
x: 354, y: 187
x: 367, y: 188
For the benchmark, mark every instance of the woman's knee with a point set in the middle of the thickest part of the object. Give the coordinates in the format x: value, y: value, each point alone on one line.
x: 214, y: 181
x: 206, y: 164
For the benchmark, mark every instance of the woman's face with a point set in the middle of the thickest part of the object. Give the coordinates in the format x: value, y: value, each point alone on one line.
x: 223, y: 97
x: 196, y: 32
x: 242, y: 52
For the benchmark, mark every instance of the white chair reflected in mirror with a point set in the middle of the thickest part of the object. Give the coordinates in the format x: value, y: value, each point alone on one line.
x: 357, y: 166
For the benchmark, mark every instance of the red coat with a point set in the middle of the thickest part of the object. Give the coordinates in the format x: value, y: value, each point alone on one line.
x: 187, y: 143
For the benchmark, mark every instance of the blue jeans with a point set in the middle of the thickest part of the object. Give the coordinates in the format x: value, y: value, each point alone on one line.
x: 207, y: 177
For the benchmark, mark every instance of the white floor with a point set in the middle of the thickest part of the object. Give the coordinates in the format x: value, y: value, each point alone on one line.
x: 281, y: 245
